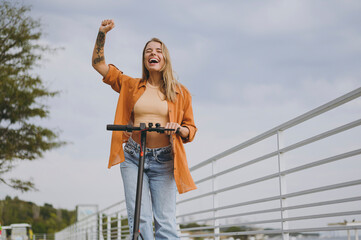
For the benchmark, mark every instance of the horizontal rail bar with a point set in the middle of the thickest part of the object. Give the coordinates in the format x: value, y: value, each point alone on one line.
x: 234, y: 233
x: 322, y: 136
x: 325, y: 215
x: 322, y: 229
x: 323, y: 161
x: 256, y: 160
x: 322, y: 189
x: 276, y: 231
x: 278, y: 220
x: 336, y: 214
x: 197, y: 228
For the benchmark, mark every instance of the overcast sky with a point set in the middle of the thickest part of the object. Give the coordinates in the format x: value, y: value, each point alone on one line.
x: 250, y: 66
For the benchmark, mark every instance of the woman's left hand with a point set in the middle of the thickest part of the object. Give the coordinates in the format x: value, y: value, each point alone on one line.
x: 182, y: 131
x: 171, y: 125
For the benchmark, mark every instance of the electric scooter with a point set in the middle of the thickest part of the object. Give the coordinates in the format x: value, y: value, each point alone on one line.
x: 143, y: 129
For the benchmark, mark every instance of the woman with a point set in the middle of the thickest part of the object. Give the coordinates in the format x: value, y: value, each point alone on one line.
x: 157, y: 97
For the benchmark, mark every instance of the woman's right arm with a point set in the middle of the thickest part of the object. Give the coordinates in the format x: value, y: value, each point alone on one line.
x: 98, y: 60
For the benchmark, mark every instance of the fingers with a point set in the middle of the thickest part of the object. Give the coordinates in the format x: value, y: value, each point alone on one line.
x: 107, y: 25
x: 171, y: 125
x: 107, y: 22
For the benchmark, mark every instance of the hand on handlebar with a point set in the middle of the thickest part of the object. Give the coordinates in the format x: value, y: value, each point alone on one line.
x: 171, y: 125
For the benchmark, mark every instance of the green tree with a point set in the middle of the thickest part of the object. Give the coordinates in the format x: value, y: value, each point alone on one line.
x: 44, y: 219
x: 21, y: 92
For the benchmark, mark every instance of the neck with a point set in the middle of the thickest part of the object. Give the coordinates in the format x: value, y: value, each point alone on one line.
x: 155, y: 78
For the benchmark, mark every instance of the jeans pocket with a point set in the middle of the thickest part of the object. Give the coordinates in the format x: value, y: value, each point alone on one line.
x: 128, y: 149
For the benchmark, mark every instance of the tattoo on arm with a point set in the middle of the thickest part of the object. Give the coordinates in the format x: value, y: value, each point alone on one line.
x: 98, y: 59
x: 100, y: 47
x: 100, y: 41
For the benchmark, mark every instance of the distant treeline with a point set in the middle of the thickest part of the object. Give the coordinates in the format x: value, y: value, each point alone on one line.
x: 44, y: 219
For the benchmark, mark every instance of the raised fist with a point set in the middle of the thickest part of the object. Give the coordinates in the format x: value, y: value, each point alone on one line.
x: 107, y: 25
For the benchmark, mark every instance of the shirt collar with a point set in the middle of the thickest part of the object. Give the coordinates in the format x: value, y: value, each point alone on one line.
x: 142, y: 83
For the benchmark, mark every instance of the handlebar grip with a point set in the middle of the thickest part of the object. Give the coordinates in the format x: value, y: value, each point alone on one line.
x: 168, y: 129
x: 113, y: 127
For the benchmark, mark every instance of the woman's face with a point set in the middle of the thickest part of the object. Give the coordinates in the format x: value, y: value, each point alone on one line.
x: 153, y: 57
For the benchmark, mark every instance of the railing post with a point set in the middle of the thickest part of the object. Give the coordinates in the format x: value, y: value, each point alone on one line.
x: 87, y: 230
x: 119, y: 226
x: 282, y: 185
x: 96, y: 227
x: 109, y: 227
x: 100, y: 227
x: 215, y: 199
x: 73, y: 235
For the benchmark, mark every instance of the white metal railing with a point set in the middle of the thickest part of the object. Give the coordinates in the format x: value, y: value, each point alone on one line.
x: 43, y: 236
x: 301, y: 178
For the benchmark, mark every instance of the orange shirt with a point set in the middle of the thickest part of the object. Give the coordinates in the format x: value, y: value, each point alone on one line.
x: 130, y: 89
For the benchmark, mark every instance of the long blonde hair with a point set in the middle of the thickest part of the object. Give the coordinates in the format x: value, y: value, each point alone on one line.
x: 170, y: 83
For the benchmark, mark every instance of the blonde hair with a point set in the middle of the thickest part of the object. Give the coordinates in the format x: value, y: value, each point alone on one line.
x: 170, y: 83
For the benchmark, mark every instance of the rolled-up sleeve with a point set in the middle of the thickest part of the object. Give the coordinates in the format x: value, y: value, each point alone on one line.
x: 114, y: 78
x: 188, y: 119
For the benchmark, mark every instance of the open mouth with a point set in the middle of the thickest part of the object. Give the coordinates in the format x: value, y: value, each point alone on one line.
x: 153, y: 60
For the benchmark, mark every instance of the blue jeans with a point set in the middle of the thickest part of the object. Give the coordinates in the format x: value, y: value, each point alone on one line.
x: 159, y: 190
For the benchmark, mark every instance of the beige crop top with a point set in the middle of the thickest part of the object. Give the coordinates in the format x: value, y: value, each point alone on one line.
x: 151, y: 107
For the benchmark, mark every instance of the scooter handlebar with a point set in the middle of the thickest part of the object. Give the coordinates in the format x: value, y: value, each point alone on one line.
x: 130, y: 128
